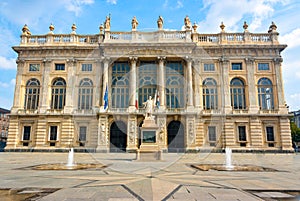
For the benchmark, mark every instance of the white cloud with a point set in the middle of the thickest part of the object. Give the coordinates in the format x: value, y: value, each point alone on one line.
x: 294, y: 101
x: 232, y: 12
x: 179, y: 4
x: 292, y: 39
x: 13, y: 82
x: 112, y: 1
x: 4, y: 85
x: 7, y: 63
x: 76, y: 5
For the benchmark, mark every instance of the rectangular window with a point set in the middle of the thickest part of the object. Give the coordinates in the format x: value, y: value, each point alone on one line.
x: 82, y: 133
x: 34, y: 67
x: 212, y: 137
x: 209, y: 67
x: 53, y: 133
x: 59, y: 66
x: 242, y: 133
x: 236, y: 66
x: 86, y: 67
x: 270, y: 134
x: 263, y: 66
x: 26, y: 133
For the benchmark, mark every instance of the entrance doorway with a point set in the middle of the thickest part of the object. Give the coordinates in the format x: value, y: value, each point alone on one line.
x: 176, y: 141
x: 118, y: 137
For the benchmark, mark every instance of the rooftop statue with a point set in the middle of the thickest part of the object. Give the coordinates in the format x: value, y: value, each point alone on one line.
x: 160, y: 22
x: 187, y: 22
x: 134, y: 23
x: 107, y: 23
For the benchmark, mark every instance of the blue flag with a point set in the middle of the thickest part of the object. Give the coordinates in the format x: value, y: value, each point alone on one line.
x: 105, y: 98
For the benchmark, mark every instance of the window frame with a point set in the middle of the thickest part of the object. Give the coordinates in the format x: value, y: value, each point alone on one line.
x: 239, y: 133
x: 235, y: 64
x: 263, y: 70
x: 209, y: 67
x: 32, y: 64
x: 57, y: 132
x: 56, y: 65
x: 86, y: 67
x: 85, y: 94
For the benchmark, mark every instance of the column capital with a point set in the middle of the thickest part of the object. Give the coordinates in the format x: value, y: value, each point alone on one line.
x: 20, y: 61
x: 223, y: 60
x: 249, y: 60
x: 277, y: 60
x: 161, y: 58
x: 105, y: 59
x: 71, y: 61
x: 46, y: 60
x: 188, y: 59
x: 133, y: 59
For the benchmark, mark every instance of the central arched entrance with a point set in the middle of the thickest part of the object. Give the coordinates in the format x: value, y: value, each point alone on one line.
x: 118, y: 137
x: 176, y: 142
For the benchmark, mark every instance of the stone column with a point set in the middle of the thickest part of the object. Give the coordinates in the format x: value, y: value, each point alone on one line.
x: 252, y: 101
x: 161, y: 82
x: 70, y: 88
x: 45, y: 98
x: 225, y: 86
x: 104, y: 80
x: 18, y: 88
x: 190, y: 102
x: 132, y: 85
x: 280, y: 92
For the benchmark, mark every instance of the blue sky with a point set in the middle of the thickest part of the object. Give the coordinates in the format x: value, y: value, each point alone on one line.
x: 89, y: 14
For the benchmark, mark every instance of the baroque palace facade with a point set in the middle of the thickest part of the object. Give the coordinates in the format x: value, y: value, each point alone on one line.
x: 87, y: 91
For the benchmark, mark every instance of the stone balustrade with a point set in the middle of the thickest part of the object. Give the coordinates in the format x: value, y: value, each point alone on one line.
x: 156, y: 36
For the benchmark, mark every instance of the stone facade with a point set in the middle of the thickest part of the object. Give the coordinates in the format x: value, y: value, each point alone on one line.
x: 214, y: 90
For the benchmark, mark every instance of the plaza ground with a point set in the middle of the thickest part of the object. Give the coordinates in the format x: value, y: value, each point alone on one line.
x: 173, y: 178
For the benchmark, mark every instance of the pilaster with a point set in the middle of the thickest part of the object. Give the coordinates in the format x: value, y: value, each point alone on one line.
x: 98, y: 71
x: 132, y: 85
x: 197, y: 80
x: 162, y: 132
x: 285, y: 134
x: 161, y: 81
x: 46, y: 87
x: 279, y: 83
x: 225, y: 86
x: 132, y: 134
x: 103, y: 139
x: 253, y: 107
x: 190, y: 131
x: 190, y: 101
x: 70, y: 89
x: 17, y: 100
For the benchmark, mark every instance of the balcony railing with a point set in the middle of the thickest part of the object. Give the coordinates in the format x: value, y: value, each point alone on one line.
x: 156, y: 36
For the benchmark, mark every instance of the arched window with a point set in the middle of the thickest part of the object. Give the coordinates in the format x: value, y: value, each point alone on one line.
x: 120, y: 85
x: 85, y: 94
x: 210, y: 94
x: 147, y: 81
x: 58, y: 94
x: 174, y: 85
x: 32, y: 94
x: 237, y: 93
x: 265, y: 94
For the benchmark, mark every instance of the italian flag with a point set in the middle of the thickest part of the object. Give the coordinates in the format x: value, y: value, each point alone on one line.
x: 136, y: 99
